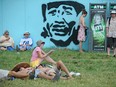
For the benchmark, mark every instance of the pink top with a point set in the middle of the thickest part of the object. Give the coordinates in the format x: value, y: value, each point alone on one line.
x: 35, y: 53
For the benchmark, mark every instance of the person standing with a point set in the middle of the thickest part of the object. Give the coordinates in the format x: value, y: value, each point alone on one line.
x: 6, y: 42
x: 111, y: 33
x: 81, y: 31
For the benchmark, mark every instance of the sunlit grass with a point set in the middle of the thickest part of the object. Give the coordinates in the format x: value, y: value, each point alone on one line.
x: 97, y: 70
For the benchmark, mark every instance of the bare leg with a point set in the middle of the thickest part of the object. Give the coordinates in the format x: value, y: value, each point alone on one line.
x: 80, y: 46
x: 22, y: 49
x: 61, y: 66
x: 50, y: 60
x: 108, y: 51
x: 3, y: 48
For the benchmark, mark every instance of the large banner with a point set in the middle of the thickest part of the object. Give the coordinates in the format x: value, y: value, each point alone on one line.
x: 97, y: 25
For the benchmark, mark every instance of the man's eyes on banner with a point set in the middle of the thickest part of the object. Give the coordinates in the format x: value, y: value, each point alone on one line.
x: 53, y: 12
x: 68, y: 12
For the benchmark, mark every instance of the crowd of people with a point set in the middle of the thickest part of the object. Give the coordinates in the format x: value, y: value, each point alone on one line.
x: 35, y: 68
x: 110, y: 32
x: 7, y: 42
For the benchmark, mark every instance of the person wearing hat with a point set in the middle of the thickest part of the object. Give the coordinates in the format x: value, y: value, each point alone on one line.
x: 111, y: 33
x: 6, y: 42
x: 62, y: 29
x: 26, y: 42
x: 23, y: 70
x: 15, y: 71
x: 38, y: 55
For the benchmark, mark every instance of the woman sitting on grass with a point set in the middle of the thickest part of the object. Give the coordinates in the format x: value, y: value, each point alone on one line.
x: 6, y: 42
x: 39, y: 55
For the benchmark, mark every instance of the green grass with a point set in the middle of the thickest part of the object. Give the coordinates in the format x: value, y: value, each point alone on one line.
x: 97, y: 70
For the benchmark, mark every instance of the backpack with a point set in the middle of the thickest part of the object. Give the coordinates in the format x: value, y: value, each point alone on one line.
x: 109, y: 20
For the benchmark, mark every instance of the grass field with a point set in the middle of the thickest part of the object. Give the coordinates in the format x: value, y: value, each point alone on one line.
x: 97, y: 70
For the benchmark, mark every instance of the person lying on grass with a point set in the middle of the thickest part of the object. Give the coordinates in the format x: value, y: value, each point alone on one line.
x: 38, y: 55
x: 58, y: 67
x: 23, y: 70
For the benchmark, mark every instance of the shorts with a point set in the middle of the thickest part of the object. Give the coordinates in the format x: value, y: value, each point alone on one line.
x: 35, y: 74
x: 111, y: 42
x: 35, y: 63
x: 3, y: 73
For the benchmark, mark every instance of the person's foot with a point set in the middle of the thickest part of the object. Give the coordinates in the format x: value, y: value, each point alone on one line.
x: 75, y: 74
x: 108, y: 55
x: 3, y: 48
x: 81, y: 51
x: 114, y: 55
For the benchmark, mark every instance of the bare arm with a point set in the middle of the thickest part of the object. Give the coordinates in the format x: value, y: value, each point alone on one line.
x: 42, y: 54
x: 83, y: 22
x: 107, y: 30
x: 107, y: 27
x: 13, y: 45
x: 5, y: 40
x: 18, y: 74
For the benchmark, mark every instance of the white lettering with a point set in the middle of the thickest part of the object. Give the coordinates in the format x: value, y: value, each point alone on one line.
x: 98, y: 6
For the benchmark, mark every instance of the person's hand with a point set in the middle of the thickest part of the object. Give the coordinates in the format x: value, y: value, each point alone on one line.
x: 85, y: 27
x: 22, y: 45
x: 107, y: 35
x: 27, y: 44
x: 7, y: 39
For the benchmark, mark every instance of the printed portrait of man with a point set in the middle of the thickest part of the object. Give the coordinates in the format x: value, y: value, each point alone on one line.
x: 60, y: 22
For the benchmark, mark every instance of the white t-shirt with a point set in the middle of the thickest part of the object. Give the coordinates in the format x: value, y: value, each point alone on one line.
x: 25, y: 41
x: 112, y: 27
x: 10, y: 42
x: 3, y: 73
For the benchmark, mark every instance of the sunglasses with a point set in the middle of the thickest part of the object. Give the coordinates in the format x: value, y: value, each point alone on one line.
x: 26, y: 34
x: 6, y: 34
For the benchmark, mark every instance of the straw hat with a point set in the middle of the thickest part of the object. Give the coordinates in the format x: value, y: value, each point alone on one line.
x: 19, y: 65
x: 26, y: 33
x: 113, y: 12
x: 39, y: 42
